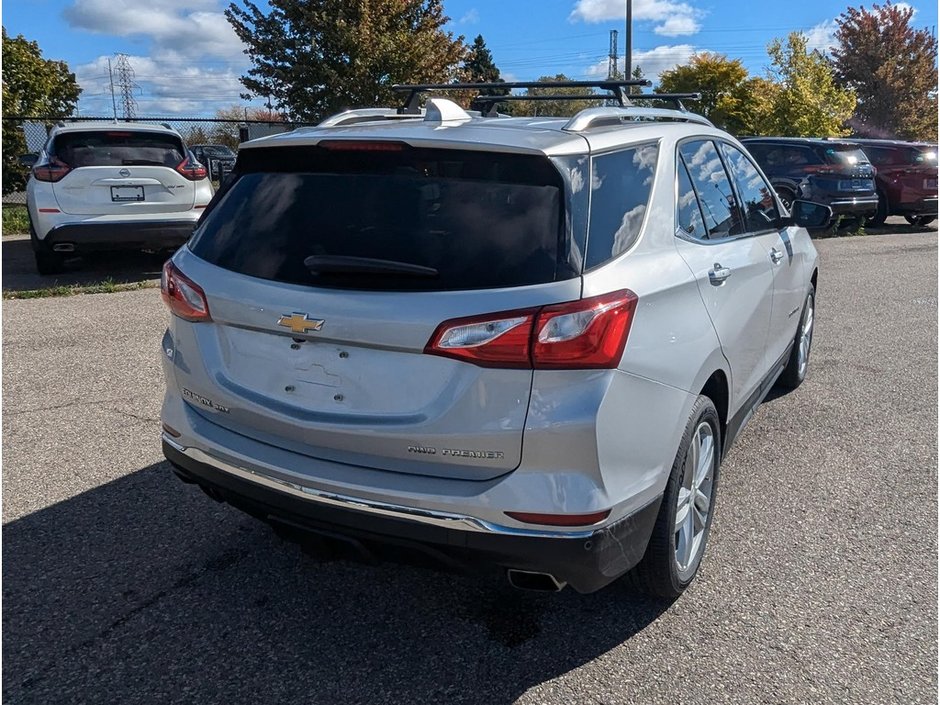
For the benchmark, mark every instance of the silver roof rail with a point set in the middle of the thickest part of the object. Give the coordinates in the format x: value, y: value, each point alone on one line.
x: 605, y: 117
x: 351, y: 117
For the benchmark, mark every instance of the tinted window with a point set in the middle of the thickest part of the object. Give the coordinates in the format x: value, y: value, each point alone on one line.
x: 620, y: 191
x: 845, y: 155
x: 118, y: 148
x: 885, y: 156
x: 925, y: 156
x: 755, y: 195
x: 688, y: 213
x: 783, y: 157
x: 481, y: 220
x: 712, y: 187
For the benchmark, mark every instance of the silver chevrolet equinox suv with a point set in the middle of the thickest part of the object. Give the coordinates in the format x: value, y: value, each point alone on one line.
x: 514, y: 343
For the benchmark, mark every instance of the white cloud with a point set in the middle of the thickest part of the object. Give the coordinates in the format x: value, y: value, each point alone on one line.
x: 652, y: 62
x: 472, y: 16
x: 671, y: 18
x: 194, y: 62
x: 905, y: 6
x: 822, y: 36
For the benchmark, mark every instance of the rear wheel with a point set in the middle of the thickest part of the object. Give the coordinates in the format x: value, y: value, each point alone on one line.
x: 920, y: 220
x: 798, y: 364
x: 881, y: 215
x: 678, y: 541
x: 48, y: 263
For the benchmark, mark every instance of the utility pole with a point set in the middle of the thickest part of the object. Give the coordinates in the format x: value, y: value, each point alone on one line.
x: 628, y: 49
x: 612, y: 56
x: 113, y: 99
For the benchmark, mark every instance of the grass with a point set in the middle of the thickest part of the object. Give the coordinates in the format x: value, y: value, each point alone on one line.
x: 108, y: 286
x: 15, y: 220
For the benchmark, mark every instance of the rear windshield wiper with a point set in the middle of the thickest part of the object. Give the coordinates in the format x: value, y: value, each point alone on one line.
x: 338, y: 264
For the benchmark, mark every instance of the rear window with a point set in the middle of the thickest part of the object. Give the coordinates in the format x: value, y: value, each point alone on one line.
x: 477, y: 219
x: 845, y: 155
x: 118, y: 148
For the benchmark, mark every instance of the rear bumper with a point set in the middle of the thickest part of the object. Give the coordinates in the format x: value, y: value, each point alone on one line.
x: 92, y: 236
x: 854, y: 206
x: 924, y: 206
x: 587, y: 560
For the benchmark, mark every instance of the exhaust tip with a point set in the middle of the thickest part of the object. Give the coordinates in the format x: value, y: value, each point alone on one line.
x: 63, y: 247
x: 533, y: 581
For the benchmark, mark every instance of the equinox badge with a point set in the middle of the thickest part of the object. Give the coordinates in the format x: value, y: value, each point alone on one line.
x: 300, y: 322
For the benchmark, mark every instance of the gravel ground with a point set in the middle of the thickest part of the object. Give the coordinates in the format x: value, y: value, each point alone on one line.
x: 120, y: 584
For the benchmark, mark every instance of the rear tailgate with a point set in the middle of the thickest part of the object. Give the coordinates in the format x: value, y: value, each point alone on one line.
x: 121, y: 172
x: 332, y: 365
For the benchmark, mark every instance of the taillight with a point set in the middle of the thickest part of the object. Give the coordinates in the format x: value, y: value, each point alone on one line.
x: 495, y: 340
x: 182, y: 295
x: 590, y: 333
x: 53, y: 170
x: 560, y: 519
x: 192, y: 170
x: 586, y: 334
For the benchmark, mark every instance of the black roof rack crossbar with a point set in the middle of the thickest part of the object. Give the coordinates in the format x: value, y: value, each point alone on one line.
x: 486, y: 104
x: 414, y: 91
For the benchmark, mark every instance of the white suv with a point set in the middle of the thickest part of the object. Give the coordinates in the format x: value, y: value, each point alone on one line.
x: 109, y: 186
x: 521, y: 342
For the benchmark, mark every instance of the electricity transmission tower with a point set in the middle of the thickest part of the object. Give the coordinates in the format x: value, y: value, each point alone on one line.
x: 125, y: 80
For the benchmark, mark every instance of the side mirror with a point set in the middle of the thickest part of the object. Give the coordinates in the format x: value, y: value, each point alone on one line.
x: 28, y: 160
x: 807, y: 214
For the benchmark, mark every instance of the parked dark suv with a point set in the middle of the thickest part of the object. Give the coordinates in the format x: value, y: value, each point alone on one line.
x: 217, y: 158
x: 837, y: 173
x: 906, y: 179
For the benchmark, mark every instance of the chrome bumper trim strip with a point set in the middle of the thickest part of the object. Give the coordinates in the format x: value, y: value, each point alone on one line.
x: 396, y: 511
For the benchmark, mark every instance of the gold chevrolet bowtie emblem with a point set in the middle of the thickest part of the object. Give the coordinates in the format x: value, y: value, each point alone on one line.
x: 300, y: 322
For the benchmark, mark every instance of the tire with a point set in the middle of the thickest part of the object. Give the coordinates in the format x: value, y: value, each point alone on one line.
x: 798, y: 364
x: 920, y: 220
x: 881, y: 215
x: 671, y: 561
x: 48, y: 263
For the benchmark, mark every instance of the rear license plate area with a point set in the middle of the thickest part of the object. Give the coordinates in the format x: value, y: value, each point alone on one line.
x: 930, y: 183
x: 121, y: 194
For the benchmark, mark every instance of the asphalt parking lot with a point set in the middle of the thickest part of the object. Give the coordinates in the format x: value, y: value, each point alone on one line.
x: 120, y: 584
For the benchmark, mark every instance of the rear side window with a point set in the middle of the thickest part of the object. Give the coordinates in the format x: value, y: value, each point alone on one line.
x: 118, y: 148
x: 713, y: 188
x: 783, y: 157
x: 476, y: 220
x: 620, y: 191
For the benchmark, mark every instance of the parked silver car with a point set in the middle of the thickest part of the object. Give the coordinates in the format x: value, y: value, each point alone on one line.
x: 514, y: 342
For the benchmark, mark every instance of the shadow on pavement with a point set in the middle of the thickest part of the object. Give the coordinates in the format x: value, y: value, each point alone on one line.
x: 144, y: 590
x: 19, y: 267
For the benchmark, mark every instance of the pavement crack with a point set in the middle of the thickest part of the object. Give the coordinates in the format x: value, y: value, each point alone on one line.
x: 65, y: 405
x: 217, y: 564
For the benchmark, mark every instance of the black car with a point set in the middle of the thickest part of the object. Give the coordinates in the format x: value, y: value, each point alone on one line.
x: 837, y: 173
x: 906, y: 180
x: 217, y: 158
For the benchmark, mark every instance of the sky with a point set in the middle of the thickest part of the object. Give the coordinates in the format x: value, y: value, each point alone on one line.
x: 187, y: 60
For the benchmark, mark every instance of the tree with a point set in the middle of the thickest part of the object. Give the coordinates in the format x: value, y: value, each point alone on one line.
x: 479, y: 67
x: 317, y: 57
x: 32, y: 87
x: 726, y: 89
x: 557, y: 108
x: 807, y: 102
x: 893, y: 70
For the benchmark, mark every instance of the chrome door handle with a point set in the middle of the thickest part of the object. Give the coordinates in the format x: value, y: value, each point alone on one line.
x: 776, y: 255
x: 718, y: 274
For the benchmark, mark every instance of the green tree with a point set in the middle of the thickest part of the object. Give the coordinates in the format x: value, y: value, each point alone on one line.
x: 479, y: 67
x: 32, y: 87
x: 893, y: 70
x: 730, y: 97
x: 317, y: 57
x: 808, y: 101
x: 556, y: 108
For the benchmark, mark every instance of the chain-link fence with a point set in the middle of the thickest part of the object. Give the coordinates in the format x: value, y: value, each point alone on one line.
x: 22, y: 135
